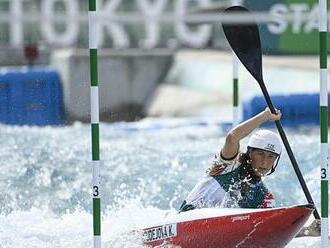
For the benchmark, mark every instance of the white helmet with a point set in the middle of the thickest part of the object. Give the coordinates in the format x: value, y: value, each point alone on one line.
x: 266, y: 140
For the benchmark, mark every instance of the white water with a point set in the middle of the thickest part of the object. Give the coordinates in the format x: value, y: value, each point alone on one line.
x: 148, y: 168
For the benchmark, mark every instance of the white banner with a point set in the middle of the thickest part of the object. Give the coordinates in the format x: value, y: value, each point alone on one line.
x: 141, y: 23
x: 148, y: 12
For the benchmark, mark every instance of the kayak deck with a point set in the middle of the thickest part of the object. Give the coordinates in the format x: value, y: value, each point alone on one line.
x: 251, y: 228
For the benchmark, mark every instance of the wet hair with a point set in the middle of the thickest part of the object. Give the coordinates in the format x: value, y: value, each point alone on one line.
x: 216, y: 169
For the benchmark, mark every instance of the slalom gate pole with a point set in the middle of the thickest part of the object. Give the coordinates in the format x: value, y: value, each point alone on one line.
x: 323, y: 32
x: 236, y: 117
x: 94, y: 94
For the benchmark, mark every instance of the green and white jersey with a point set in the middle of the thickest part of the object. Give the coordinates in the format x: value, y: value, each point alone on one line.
x: 233, y: 186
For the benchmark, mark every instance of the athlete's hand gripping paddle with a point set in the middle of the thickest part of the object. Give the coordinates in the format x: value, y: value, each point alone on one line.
x: 245, y: 41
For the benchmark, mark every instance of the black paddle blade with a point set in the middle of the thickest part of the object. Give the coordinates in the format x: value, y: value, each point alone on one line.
x: 245, y: 41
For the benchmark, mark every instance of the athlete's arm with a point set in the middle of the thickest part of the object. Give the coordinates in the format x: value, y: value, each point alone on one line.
x: 231, y: 146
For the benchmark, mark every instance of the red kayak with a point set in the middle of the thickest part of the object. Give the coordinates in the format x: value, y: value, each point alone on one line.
x: 208, y: 228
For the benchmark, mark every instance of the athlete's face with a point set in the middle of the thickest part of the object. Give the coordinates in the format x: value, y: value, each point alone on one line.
x: 262, y: 161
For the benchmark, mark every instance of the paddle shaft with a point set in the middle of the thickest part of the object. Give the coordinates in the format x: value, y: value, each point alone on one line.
x: 288, y: 149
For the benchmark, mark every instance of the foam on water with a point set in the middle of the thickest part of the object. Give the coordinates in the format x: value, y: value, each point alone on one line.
x: 147, y: 170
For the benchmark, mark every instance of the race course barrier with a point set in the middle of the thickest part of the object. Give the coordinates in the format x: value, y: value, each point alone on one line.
x: 30, y: 96
x: 297, y: 109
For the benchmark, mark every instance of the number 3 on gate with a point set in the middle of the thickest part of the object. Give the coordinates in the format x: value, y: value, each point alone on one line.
x: 323, y: 173
x: 95, y: 191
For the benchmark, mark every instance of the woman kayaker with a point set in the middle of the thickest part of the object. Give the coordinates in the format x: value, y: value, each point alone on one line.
x: 234, y: 178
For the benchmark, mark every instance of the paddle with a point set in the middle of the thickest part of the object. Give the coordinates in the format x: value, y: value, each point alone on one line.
x: 245, y: 41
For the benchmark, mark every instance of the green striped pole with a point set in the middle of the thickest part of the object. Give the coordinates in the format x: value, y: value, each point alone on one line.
x: 92, y: 14
x: 236, y: 118
x: 324, y: 123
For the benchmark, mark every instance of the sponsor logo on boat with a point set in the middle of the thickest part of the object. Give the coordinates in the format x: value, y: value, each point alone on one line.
x: 159, y: 233
x: 240, y: 218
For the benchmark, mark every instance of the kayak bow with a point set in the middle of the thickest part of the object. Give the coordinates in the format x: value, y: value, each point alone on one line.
x: 208, y: 228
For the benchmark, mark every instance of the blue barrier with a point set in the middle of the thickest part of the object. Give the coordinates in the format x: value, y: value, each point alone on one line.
x: 31, y: 97
x: 297, y: 109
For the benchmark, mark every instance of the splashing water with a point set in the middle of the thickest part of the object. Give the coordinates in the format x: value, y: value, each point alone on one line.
x: 147, y: 169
